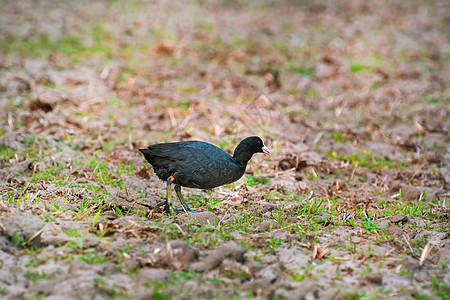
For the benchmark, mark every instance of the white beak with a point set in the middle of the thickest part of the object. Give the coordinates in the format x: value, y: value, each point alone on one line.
x: 266, y: 150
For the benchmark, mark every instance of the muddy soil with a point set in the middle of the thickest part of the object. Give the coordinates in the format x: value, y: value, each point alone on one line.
x: 352, y: 98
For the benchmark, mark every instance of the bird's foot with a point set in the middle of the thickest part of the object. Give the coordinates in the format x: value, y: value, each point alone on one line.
x: 161, y: 203
x: 169, y: 209
x: 186, y: 210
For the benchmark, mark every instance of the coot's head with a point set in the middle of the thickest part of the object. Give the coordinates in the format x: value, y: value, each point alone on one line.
x: 249, y: 146
x: 254, y: 144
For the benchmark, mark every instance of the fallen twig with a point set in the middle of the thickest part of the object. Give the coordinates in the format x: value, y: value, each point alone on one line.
x: 407, y: 242
x: 425, y: 253
x: 36, y: 234
x: 341, y: 258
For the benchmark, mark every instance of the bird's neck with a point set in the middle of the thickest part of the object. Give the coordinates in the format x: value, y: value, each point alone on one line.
x: 242, y: 157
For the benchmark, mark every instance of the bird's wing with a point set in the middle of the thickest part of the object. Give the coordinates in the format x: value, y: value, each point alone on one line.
x: 208, y: 168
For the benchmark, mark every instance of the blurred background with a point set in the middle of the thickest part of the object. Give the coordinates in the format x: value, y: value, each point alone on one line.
x: 141, y: 72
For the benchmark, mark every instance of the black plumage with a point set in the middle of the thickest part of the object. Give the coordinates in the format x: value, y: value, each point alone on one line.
x: 197, y: 164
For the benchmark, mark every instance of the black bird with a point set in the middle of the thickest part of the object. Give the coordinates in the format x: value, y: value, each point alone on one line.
x: 197, y: 164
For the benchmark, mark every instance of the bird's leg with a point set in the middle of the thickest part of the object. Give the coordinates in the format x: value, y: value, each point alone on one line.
x: 183, y: 203
x: 169, y: 207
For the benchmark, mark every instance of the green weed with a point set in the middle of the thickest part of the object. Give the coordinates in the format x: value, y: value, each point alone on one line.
x: 418, y: 209
x: 105, y: 173
x: 353, y: 296
x: 274, y: 243
x: 368, y: 225
x: 367, y: 159
x: 51, y: 173
x: 252, y: 180
x: 357, y: 68
x: 73, y: 232
x: 77, y: 245
x: 97, y: 215
x: 18, y: 239
x: 340, y: 137
x: 7, y: 153
x: 93, y: 258
x: 304, y: 72
x: 36, y: 276
x: 72, y: 45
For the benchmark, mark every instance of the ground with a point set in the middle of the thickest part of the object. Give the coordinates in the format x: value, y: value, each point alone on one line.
x: 352, y: 98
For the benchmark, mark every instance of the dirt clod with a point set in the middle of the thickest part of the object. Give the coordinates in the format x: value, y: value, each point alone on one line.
x: 22, y: 167
x: 23, y: 229
x: 229, y: 250
x: 151, y: 275
x: 402, y: 218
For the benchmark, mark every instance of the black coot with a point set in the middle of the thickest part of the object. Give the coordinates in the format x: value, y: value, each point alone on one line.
x: 200, y: 165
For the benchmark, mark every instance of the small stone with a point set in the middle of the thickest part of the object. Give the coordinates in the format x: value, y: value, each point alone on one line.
x: 330, y: 293
x: 416, y: 221
x: 410, y: 193
x: 303, y: 289
x: 421, y: 276
x: 22, y: 167
x: 184, y: 253
x: 204, y: 216
x: 268, y: 225
x: 394, y: 231
x: 265, y: 286
x: 230, y: 250
x: 399, y: 218
x: 152, y: 275
x: 22, y: 228
x: 375, y: 278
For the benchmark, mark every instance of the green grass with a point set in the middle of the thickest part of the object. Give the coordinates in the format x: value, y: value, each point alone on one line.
x: 423, y: 209
x: 252, y: 180
x: 429, y: 99
x: 106, y: 174
x: 88, y: 255
x: 175, y: 278
x: 357, y: 68
x: 51, y: 173
x: 94, y: 39
x: 211, y: 203
x: 356, y: 295
x: 36, y: 276
x: 340, y: 137
x: 126, y: 169
x: 6, y: 153
x: 368, y: 225
x: 367, y: 159
x: 95, y: 198
x: 440, y: 288
x: 36, y: 153
x: 274, y: 243
x: 38, y: 46
x: 304, y: 72
x: 73, y: 232
x: 75, y: 46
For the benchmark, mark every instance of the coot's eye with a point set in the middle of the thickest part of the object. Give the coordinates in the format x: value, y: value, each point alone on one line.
x: 259, y: 142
